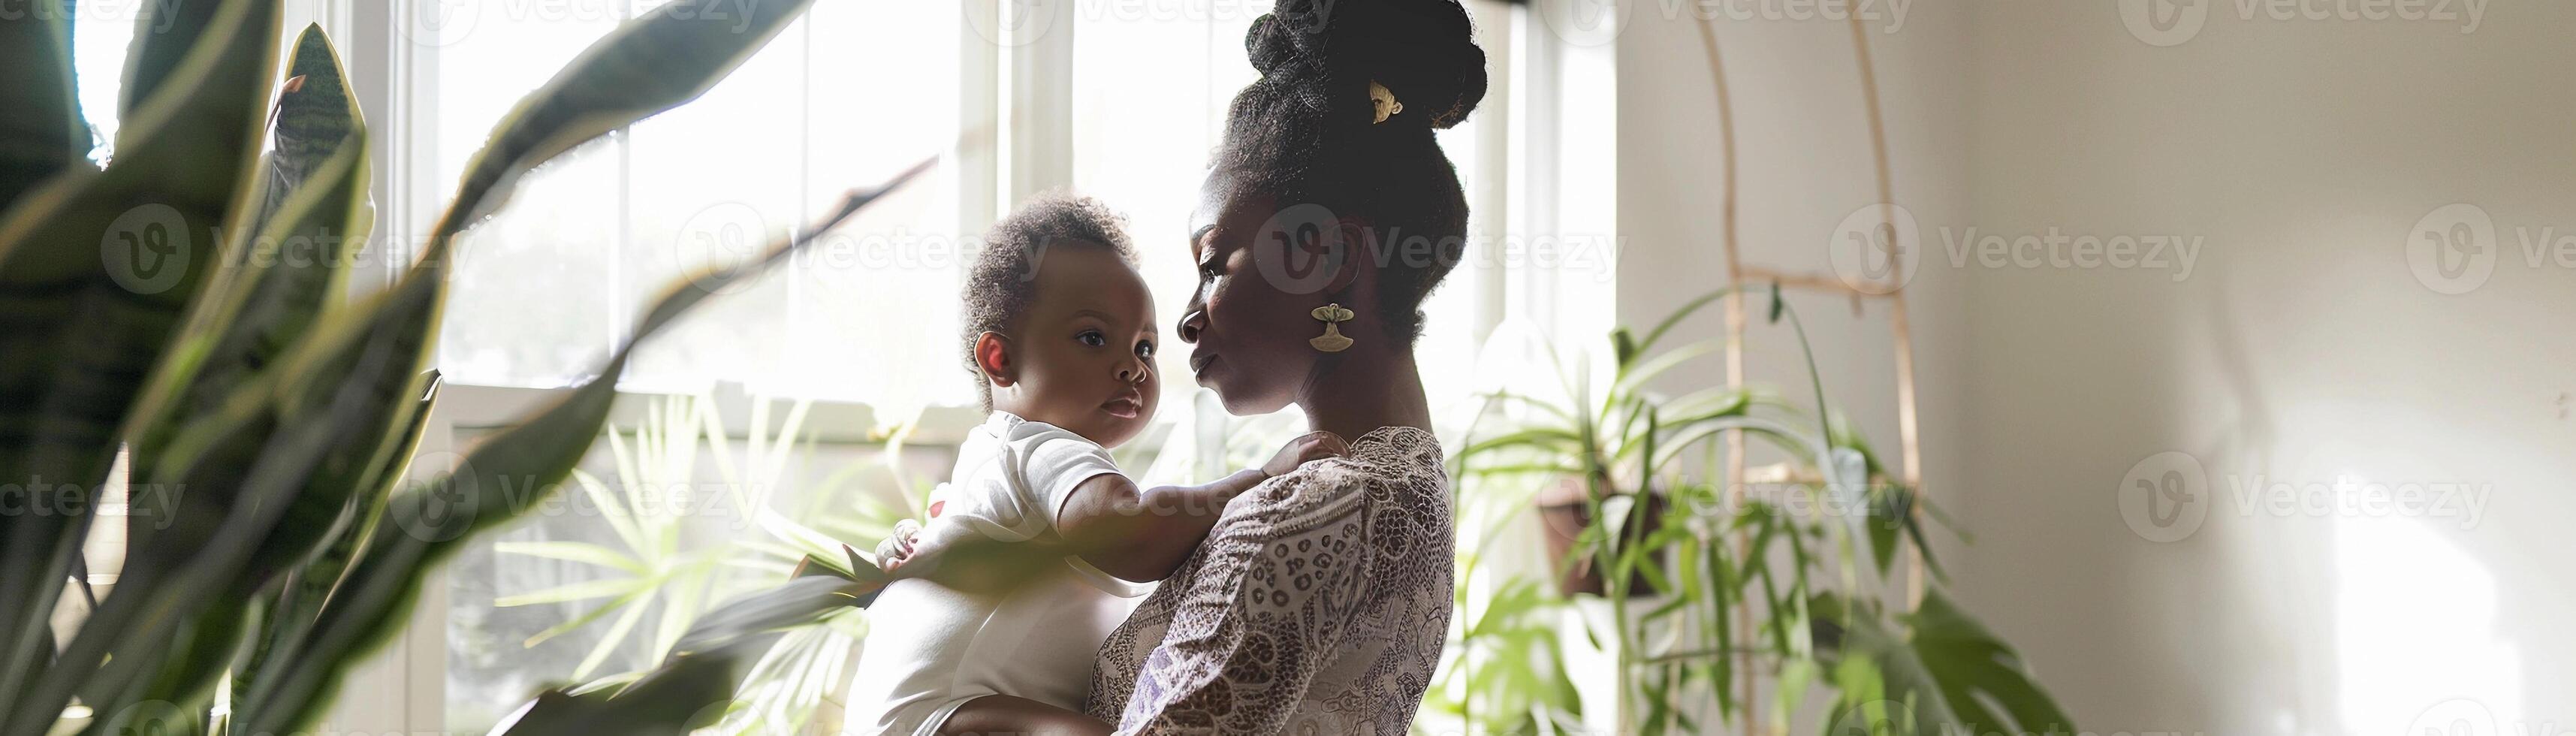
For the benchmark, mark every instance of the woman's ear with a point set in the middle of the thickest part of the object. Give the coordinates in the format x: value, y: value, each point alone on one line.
x: 993, y: 355
x: 1360, y: 251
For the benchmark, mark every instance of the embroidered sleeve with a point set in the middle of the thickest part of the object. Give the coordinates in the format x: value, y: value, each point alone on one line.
x: 1255, y: 637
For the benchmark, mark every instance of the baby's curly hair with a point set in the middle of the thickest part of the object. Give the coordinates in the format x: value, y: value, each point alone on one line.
x: 1001, y: 283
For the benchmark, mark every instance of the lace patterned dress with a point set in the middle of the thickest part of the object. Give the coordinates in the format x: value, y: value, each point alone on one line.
x: 1318, y: 605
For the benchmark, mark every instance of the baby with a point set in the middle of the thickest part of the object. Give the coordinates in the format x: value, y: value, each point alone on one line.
x: 1034, y: 551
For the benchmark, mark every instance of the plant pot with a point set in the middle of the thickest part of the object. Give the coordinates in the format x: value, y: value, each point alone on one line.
x: 1565, y: 513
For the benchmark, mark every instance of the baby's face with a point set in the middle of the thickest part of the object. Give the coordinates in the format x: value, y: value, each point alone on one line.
x: 1085, y: 349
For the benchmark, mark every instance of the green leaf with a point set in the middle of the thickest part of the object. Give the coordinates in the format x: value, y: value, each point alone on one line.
x: 797, y: 602
x: 306, y: 592
x: 634, y: 612
x: 578, y: 621
x: 580, y: 591
x: 492, y: 484
x: 1877, y: 678
x: 582, y: 552
x: 247, y: 322
x: 163, y: 35
x: 1671, y: 320
x: 269, y: 452
x: 77, y: 333
x: 312, y: 119
x: 41, y: 130
x: 1974, y: 668
x: 689, y: 692
x: 655, y: 62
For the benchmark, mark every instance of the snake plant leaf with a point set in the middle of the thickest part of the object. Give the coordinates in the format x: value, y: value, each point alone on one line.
x: 718, y: 646
x: 180, y: 573
x: 313, y: 117
x: 280, y: 488
x: 666, y: 57
x: 797, y: 602
x: 200, y: 652
x: 163, y: 35
x: 491, y: 484
x: 94, y: 270
x: 300, y: 600
x: 689, y: 692
x: 41, y: 130
x: 265, y: 305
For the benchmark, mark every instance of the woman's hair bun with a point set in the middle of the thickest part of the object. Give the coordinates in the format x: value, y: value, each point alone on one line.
x: 1424, y: 51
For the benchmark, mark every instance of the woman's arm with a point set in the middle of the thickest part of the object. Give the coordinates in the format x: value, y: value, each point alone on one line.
x: 1141, y: 535
x: 1247, y: 664
x: 1006, y: 714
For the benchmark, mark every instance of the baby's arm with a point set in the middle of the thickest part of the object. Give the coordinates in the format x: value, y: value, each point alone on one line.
x: 1143, y: 534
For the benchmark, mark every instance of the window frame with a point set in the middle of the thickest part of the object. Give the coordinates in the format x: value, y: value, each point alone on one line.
x: 403, y: 689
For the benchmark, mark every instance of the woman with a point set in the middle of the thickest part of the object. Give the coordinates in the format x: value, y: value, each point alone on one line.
x: 1320, y: 601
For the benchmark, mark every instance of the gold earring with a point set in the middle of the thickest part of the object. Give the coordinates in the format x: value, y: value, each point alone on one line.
x: 1332, y: 341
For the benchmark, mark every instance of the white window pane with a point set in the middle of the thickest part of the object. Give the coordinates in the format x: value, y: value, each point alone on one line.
x: 874, y: 305
x: 1150, y: 95
x: 710, y: 184
x: 529, y: 297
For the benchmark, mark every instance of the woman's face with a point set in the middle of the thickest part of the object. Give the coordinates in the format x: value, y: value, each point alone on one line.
x: 1261, y: 271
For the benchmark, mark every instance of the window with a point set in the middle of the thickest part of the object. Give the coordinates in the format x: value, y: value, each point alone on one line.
x: 843, y: 98
x: 1124, y: 101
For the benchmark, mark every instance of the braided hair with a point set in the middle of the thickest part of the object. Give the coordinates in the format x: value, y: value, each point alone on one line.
x: 1305, y: 132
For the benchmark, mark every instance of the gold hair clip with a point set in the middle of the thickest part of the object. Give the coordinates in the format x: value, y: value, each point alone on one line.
x: 1382, y: 102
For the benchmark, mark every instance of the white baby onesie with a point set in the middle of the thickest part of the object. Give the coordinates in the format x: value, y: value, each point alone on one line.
x: 931, y: 647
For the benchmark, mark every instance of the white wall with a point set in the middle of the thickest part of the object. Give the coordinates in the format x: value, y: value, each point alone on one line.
x: 2300, y: 348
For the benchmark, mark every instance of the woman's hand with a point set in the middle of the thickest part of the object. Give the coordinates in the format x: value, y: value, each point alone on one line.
x: 1315, y: 445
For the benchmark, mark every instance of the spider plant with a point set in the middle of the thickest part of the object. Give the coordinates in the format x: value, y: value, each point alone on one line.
x: 144, y: 308
x: 1787, y: 591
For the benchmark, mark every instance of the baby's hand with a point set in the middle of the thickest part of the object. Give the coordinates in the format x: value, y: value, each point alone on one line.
x: 897, y: 547
x: 1315, y: 445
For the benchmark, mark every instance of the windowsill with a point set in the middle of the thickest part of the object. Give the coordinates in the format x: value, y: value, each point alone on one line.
x: 486, y: 407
